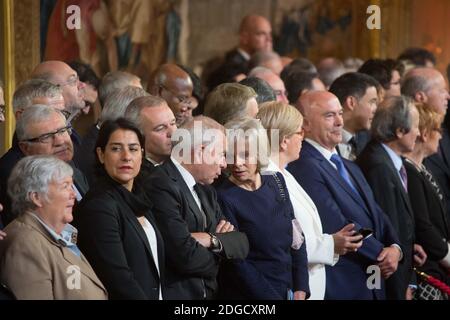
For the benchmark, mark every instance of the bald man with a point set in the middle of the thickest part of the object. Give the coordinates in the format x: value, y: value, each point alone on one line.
x: 58, y: 72
x: 342, y: 195
x: 174, y: 85
x: 255, y: 34
x: 428, y: 86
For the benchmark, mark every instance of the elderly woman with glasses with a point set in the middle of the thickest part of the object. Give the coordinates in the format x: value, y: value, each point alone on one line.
x: 117, y: 228
x: 284, y: 123
x: 39, y: 258
x: 427, y: 199
x: 259, y: 205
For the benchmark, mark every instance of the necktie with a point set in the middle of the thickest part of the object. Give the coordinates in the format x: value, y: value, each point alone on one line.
x: 352, y: 143
x: 404, y: 177
x: 202, y: 199
x: 336, y: 159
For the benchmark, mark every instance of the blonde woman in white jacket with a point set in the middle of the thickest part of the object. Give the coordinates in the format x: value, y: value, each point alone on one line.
x: 284, y: 122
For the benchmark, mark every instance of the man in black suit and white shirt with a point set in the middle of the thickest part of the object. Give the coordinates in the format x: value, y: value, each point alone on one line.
x: 195, y: 233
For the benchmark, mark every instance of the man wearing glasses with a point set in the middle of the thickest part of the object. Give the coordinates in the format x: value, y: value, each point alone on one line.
x: 175, y: 86
x: 42, y: 130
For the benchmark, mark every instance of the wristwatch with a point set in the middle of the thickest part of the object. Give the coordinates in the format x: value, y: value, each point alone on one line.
x: 215, y: 243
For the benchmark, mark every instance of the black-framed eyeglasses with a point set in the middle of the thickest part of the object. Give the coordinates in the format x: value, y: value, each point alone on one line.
x: 48, y: 137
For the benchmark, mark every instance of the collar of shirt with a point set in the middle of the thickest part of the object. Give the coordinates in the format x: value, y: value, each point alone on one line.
x: 68, y: 235
x: 396, y: 159
x: 346, y: 136
x: 325, y: 152
x: 244, y: 54
x: 153, y: 161
x: 187, y: 176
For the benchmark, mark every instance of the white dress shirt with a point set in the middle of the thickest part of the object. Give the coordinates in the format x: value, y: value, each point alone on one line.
x: 319, y: 245
x: 151, y: 237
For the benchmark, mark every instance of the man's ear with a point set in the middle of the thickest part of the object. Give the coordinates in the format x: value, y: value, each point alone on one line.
x: 350, y: 103
x: 423, y: 136
x: 24, y: 148
x: 399, y: 133
x: 421, y: 97
x: 100, y: 155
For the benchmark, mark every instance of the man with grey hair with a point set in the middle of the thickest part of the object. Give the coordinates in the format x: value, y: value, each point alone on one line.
x: 330, y: 69
x: 267, y: 59
x: 43, y: 130
x: 157, y: 122
x: 394, y: 131
x: 195, y: 233
x: 114, y: 108
x: 428, y: 86
x: 273, y: 80
x: 116, y: 80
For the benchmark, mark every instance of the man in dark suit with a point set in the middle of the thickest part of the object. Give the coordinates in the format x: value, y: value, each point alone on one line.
x: 255, y: 34
x: 195, y: 233
x: 357, y: 93
x: 428, y: 86
x: 342, y: 195
x: 394, y: 131
x: 43, y: 130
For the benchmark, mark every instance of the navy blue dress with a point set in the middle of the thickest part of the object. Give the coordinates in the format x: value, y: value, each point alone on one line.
x: 272, y: 267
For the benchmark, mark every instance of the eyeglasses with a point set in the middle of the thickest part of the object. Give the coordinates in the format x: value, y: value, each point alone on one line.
x: 48, y: 137
x: 183, y: 100
x: 2, y: 109
x: 73, y: 81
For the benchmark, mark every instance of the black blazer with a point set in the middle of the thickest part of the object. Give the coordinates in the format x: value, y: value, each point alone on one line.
x: 191, y: 268
x: 432, y: 228
x: 390, y: 194
x: 439, y: 165
x: 86, y: 157
x: 115, y: 244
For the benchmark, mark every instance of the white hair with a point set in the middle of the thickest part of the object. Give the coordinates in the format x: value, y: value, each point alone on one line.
x: 34, y: 174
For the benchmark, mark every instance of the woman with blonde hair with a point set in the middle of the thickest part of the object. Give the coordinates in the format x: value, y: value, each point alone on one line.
x: 284, y: 123
x: 427, y: 201
x: 259, y: 205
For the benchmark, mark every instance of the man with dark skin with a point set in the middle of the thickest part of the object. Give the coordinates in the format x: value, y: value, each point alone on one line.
x: 175, y: 86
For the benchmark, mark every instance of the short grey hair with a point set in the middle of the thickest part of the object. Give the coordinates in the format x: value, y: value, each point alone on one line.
x: 118, y: 101
x: 261, y: 57
x: 34, y: 174
x: 260, y: 71
x: 393, y: 114
x: 113, y: 81
x: 35, y: 114
x: 413, y: 83
x: 251, y: 129
x: 134, y: 109
x: 31, y: 89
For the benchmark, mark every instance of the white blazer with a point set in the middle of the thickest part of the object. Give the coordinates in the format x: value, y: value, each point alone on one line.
x: 319, y: 245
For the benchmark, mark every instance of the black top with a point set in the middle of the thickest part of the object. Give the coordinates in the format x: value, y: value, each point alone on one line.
x: 432, y: 227
x: 115, y: 243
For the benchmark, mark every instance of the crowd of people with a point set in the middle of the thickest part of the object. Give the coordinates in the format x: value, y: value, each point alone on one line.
x: 266, y: 178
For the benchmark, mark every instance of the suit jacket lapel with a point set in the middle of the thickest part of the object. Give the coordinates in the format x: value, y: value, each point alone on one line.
x: 397, y: 180
x: 175, y: 175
